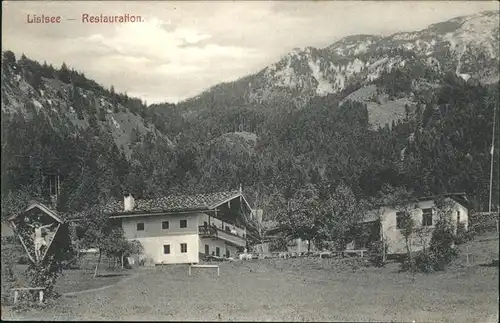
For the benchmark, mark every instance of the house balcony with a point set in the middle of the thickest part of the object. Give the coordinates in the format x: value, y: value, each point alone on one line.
x: 214, y: 232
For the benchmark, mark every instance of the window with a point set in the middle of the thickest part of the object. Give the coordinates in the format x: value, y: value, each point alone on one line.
x: 184, y: 247
x: 458, y: 216
x: 140, y: 226
x: 164, y: 225
x: 207, y: 249
x: 228, y: 229
x: 227, y: 253
x: 399, y: 220
x: 166, y: 249
x: 184, y: 223
x: 217, y: 251
x: 427, y: 217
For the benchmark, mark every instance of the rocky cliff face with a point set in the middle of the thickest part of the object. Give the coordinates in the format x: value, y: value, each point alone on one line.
x: 68, y: 108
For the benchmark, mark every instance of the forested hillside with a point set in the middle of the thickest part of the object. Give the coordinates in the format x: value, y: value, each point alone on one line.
x: 105, y: 143
x: 58, y: 121
x: 442, y: 146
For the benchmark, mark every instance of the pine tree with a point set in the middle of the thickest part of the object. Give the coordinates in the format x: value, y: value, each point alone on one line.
x: 9, y: 58
x: 102, y: 114
x: 64, y: 74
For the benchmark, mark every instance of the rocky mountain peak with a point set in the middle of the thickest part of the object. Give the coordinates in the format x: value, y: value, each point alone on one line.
x: 465, y: 46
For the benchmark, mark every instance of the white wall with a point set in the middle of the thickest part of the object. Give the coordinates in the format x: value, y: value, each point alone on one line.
x: 153, y: 237
x: 153, y: 248
x: 153, y: 225
x: 394, y: 237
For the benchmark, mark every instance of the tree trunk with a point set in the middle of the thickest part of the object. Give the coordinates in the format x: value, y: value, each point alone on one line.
x: 383, y: 240
x: 78, y: 261
x: 410, y: 256
x: 123, y: 255
x: 384, y: 251
x: 97, y: 265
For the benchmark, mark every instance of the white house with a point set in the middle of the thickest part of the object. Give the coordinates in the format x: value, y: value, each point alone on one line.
x: 179, y: 228
x: 387, y: 220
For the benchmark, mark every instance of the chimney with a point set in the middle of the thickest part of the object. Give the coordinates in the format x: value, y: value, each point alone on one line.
x: 128, y: 203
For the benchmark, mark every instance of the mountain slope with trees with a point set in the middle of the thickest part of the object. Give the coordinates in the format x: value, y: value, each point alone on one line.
x: 58, y: 120
x: 394, y: 69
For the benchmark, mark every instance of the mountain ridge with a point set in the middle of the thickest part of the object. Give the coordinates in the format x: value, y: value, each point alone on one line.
x: 417, y: 124
x: 72, y: 107
x: 466, y: 46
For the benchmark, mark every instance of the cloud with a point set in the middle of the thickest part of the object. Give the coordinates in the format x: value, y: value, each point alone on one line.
x: 140, y: 44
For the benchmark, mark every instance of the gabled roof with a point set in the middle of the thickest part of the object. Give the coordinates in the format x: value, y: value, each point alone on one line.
x: 41, y: 207
x: 461, y: 198
x: 173, y: 203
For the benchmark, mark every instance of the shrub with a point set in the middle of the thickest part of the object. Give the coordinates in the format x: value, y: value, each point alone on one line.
x: 441, y: 252
x: 278, y: 245
x: 438, y: 259
x: 428, y: 262
x: 44, y: 274
x: 141, y: 262
x: 463, y: 235
x: 407, y: 264
x: 425, y: 262
x: 8, y: 264
x: 23, y: 260
x: 10, y: 277
x: 9, y: 240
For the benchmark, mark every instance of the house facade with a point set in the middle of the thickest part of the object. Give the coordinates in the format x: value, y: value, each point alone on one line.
x: 185, y: 228
x: 388, y: 221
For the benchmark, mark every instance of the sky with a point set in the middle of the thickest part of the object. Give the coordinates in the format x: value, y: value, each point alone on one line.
x: 180, y: 49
